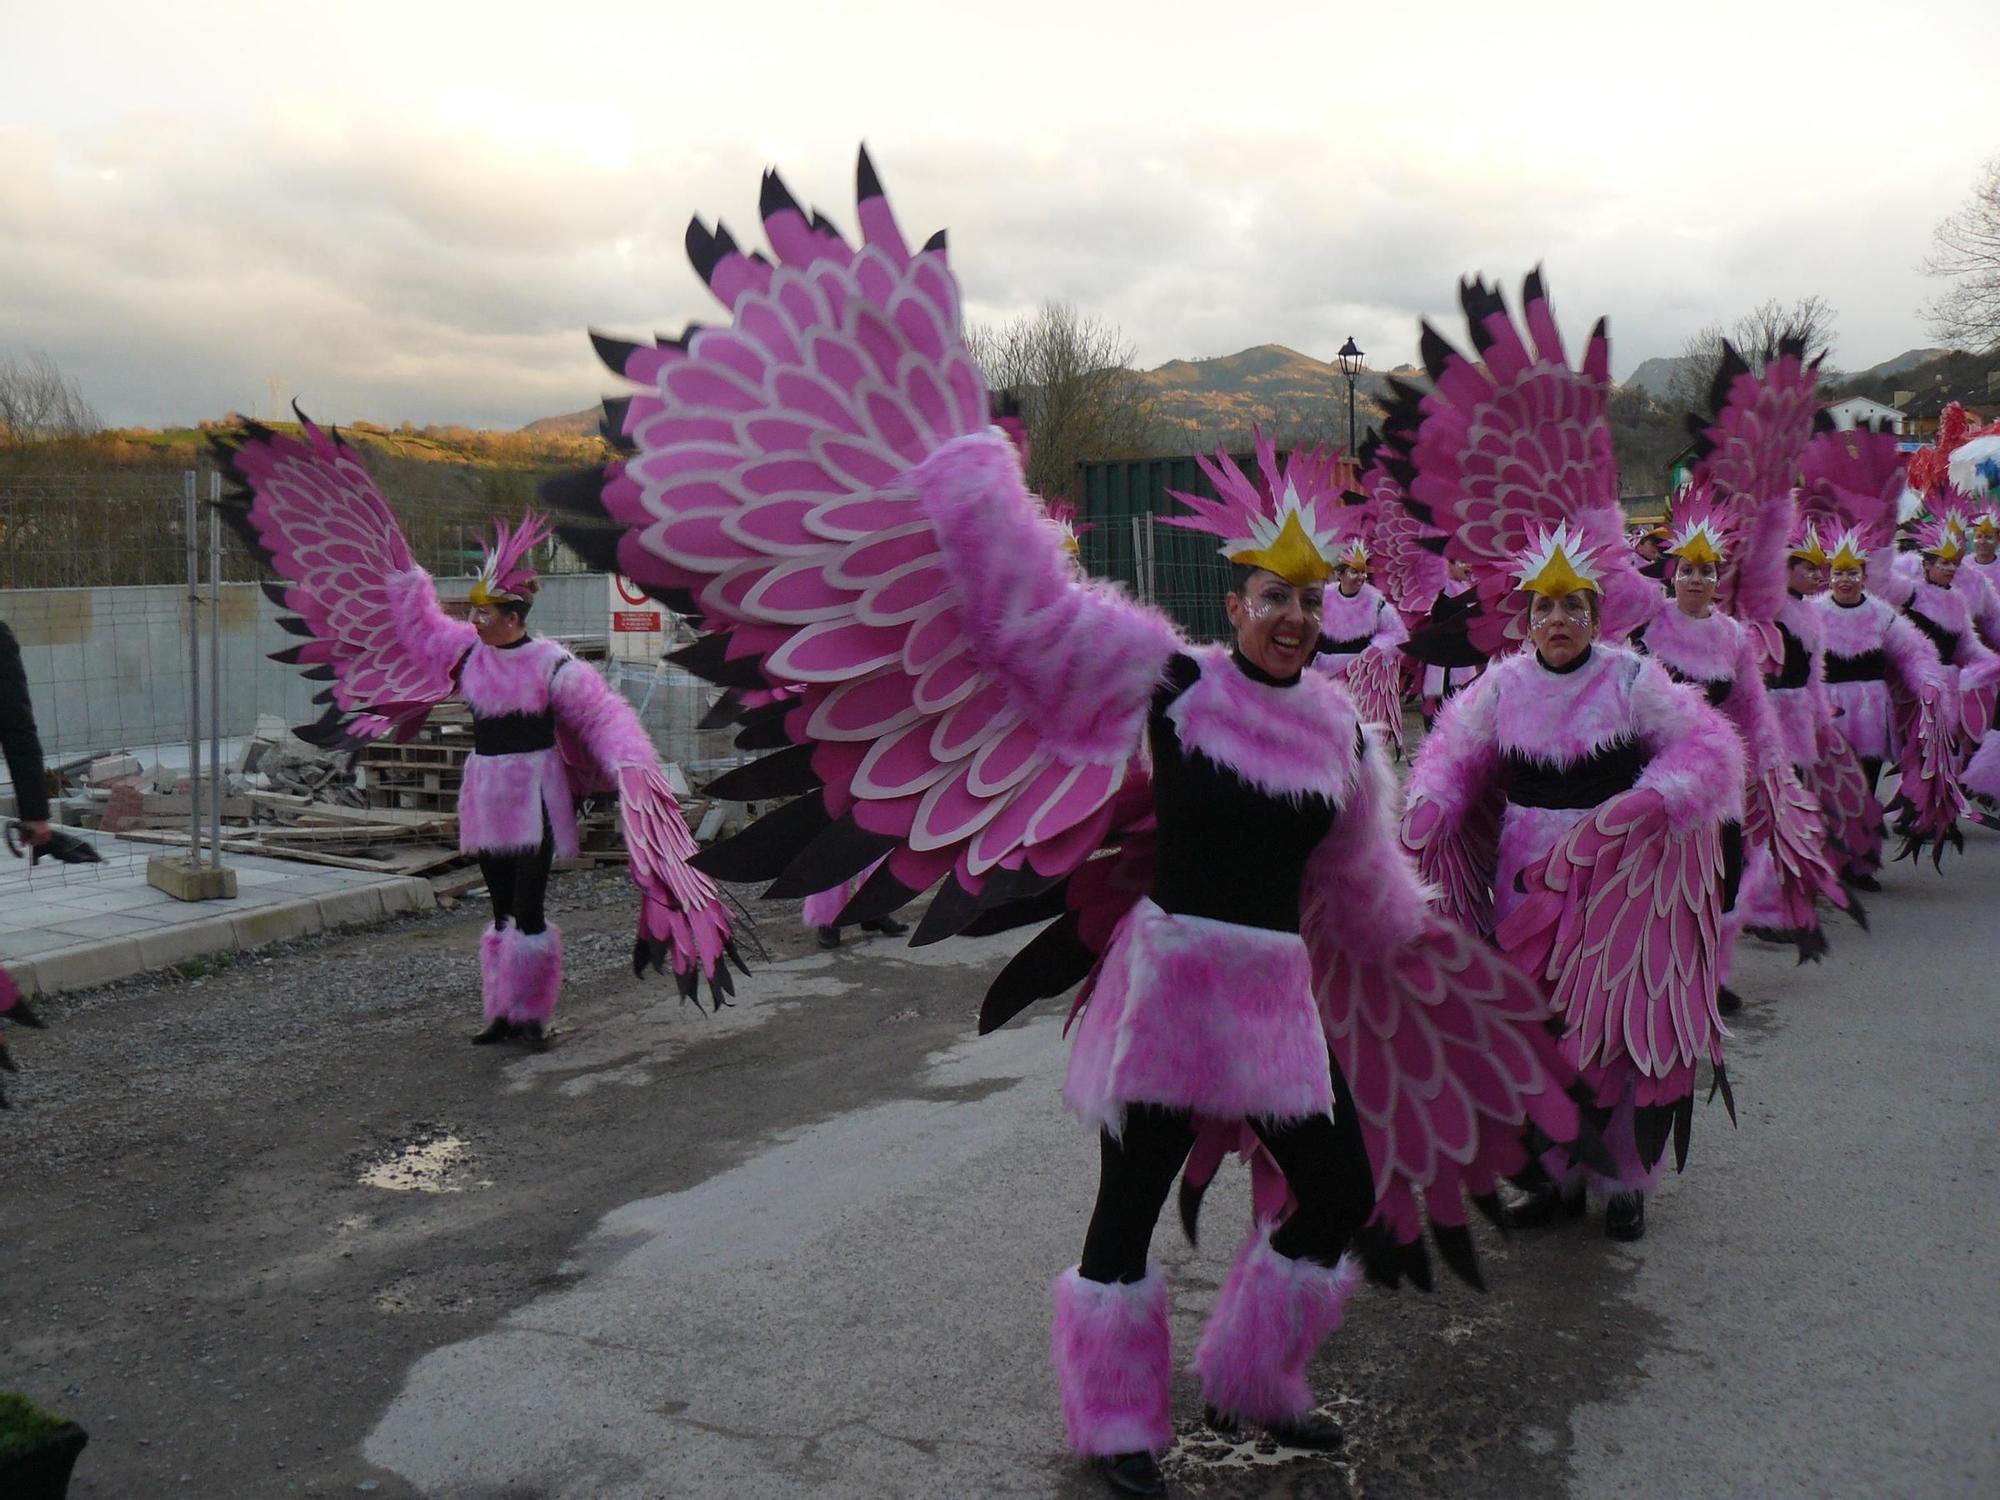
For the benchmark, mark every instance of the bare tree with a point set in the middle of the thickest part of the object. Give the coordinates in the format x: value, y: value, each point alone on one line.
x: 1966, y: 252
x: 1079, y: 396
x: 1755, y: 336
x: 38, y: 402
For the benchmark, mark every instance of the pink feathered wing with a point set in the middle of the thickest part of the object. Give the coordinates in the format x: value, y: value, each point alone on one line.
x: 1782, y: 817
x: 308, y: 509
x: 682, y: 918
x: 1854, y: 822
x: 818, y: 483
x: 1622, y: 921
x: 1375, y: 680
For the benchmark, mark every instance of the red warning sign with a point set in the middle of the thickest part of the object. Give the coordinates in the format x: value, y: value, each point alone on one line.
x: 636, y: 621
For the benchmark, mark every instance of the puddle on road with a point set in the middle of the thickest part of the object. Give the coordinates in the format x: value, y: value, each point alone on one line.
x: 423, y: 1164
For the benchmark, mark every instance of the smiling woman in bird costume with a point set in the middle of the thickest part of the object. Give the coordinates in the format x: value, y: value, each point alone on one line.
x: 818, y: 483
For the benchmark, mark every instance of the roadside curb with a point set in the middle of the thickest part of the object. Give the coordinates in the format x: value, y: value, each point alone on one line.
x: 107, y: 959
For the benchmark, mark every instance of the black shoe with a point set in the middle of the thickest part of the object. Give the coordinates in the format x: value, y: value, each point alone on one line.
x: 26, y: 1017
x: 1133, y: 1473
x: 1548, y: 1205
x: 6, y: 1059
x: 829, y: 937
x: 1728, y: 1001
x: 497, y: 1030
x: 1308, y: 1430
x: 887, y: 926
x: 532, y: 1034
x: 1625, y: 1216
x: 1865, y: 883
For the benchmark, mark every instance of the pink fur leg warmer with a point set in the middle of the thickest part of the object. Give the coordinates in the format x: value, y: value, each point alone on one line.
x: 1114, y: 1363
x: 531, y: 972
x: 492, y: 968
x: 1272, y: 1315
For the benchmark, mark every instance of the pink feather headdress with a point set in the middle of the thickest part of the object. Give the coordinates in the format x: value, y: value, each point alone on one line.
x: 1063, y: 513
x: 1942, y: 535
x: 1850, y: 483
x: 504, y: 576
x: 1292, y: 521
x: 1699, y: 530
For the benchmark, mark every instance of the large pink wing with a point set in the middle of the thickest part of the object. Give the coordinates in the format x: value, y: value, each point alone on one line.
x: 1781, y: 816
x: 1854, y: 821
x: 307, y: 508
x: 1507, y: 445
x: 682, y: 918
x: 1408, y: 563
x: 1445, y: 1046
x: 1457, y: 862
x: 817, y: 482
x: 1375, y: 679
x: 1622, y: 922
x: 1853, y: 479
x: 1928, y: 801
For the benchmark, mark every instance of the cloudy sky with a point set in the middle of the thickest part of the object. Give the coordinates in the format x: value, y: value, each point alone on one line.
x: 414, y: 210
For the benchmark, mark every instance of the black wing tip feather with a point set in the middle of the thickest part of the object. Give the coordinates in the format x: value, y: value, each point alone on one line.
x: 616, y: 352
x: 611, y: 423
x: 941, y: 241
x: 1533, y: 287
x: 1435, y: 349
x: 837, y: 853
x: 867, y: 184
x: 704, y: 249
x: 579, y: 492
x: 784, y: 773
x: 774, y: 197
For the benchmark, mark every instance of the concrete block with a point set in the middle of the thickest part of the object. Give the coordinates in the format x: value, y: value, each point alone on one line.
x: 186, y: 940
x: 92, y: 963
x: 408, y: 893
x: 345, y: 908
x: 276, y: 924
x: 185, y: 882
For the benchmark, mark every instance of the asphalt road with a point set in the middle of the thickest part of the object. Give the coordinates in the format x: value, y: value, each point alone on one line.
x: 803, y: 1248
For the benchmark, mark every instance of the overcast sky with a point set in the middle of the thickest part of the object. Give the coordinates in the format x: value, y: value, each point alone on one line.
x: 414, y: 210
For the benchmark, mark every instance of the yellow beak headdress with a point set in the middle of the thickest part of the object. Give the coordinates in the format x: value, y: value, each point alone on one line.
x: 1557, y: 565
x: 1807, y: 547
x: 1294, y: 523
x: 1849, y: 551
x: 504, y: 576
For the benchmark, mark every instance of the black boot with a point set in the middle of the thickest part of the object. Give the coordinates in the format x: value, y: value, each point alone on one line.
x: 1549, y: 1205
x: 1133, y: 1473
x: 26, y: 1017
x: 1865, y: 883
x: 6, y: 1058
x: 1728, y: 1001
x: 1625, y: 1216
x: 1308, y: 1430
x: 497, y: 1030
x: 532, y: 1034
x: 829, y: 937
x: 887, y: 926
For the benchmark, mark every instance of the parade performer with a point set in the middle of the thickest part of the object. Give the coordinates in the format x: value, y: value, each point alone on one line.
x: 821, y: 912
x: 1209, y: 827
x: 545, y: 727
x: 1438, y: 684
x: 22, y: 749
x: 1572, y: 800
x: 1885, y: 689
x: 1426, y: 590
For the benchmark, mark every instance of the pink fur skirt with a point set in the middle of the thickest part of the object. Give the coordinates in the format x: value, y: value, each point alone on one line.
x: 504, y: 798
x: 1203, y: 1015
x: 1861, y: 714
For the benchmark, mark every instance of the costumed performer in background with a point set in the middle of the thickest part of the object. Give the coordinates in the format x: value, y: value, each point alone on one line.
x: 546, y: 728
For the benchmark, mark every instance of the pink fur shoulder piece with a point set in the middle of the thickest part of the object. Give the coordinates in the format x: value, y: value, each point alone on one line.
x: 1560, y: 717
x: 1286, y: 741
x: 1345, y: 619
x: 1853, y: 631
x: 512, y: 681
x: 1705, y: 650
x: 1805, y: 619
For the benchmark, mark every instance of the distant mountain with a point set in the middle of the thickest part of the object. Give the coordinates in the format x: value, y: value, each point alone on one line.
x: 571, y: 424
x: 1909, y: 359
x: 1292, y: 396
x: 1654, y: 375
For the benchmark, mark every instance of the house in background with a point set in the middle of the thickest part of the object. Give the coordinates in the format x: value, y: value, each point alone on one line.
x: 1857, y: 411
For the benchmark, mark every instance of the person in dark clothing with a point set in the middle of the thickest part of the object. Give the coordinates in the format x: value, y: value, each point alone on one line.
x: 23, y: 751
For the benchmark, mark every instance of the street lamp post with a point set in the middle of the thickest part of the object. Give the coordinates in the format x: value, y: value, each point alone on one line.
x: 1351, y: 359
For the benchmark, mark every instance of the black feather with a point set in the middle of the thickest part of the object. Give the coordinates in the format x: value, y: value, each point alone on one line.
x: 1454, y: 1243
x: 708, y: 658
x: 577, y: 493
x: 774, y: 198
x: 881, y: 894
x: 767, y: 846
x: 764, y: 729
x: 1053, y: 962
x: 612, y: 423
x: 615, y: 352
x: 950, y: 910
x: 866, y: 184
x: 836, y: 855
x: 785, y: 773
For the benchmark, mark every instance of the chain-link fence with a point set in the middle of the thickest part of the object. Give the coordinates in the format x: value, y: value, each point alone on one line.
x: 94, y: 582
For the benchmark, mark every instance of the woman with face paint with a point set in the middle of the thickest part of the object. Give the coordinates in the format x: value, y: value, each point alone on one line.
x: 1572, y: 758
x: 1360, y: 636
x: 1875, y: 657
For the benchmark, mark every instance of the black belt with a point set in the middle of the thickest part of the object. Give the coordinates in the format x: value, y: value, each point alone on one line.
x: 1869, y: 666
x: 1596, y: 778
x: 1352, y: 647
x: 514, y: 734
